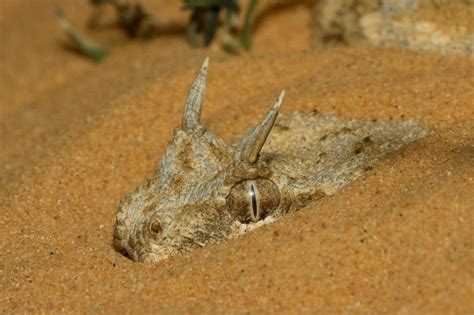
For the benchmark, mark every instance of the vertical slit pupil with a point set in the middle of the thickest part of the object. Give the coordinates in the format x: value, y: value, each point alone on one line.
x: 254, y: 200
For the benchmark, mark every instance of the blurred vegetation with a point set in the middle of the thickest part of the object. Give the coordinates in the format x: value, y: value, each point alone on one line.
x: 210, y: 21
x: 82, y: 44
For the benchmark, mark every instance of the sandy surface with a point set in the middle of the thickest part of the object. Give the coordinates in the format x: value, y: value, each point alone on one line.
x: 76, y: 136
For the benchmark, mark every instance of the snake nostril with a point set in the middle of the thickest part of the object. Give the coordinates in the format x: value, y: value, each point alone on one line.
x: 155, y: 227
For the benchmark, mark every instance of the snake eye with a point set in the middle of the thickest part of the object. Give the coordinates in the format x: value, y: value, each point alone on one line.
x: 253, y: 200
x: 254, y: 213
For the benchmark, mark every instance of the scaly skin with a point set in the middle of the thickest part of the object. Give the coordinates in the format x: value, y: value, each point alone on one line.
x: 206, y: 190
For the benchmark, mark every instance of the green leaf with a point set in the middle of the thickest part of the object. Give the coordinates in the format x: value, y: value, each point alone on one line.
x: 248, y: 20
x: 211, y: 22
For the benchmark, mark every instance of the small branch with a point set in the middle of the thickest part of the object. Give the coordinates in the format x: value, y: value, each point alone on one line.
x: 84, y: 45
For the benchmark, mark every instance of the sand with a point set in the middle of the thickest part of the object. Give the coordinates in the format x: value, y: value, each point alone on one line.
x: 76, y: 136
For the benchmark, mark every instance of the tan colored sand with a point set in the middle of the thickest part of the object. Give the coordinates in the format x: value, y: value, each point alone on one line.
x: 77, y: 136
